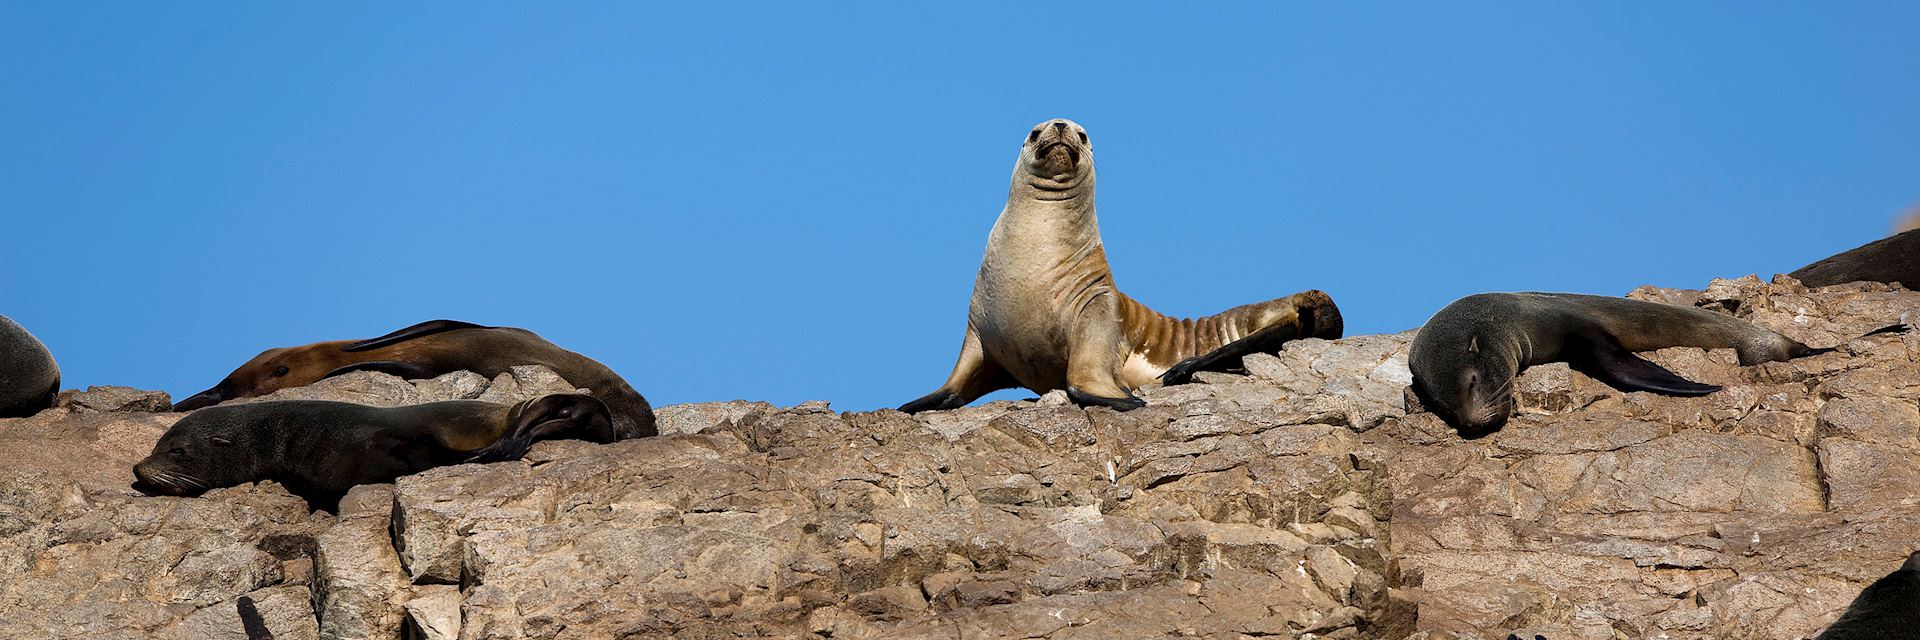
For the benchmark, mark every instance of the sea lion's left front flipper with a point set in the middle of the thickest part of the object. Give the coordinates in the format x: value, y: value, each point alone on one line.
x: 1602, y: 357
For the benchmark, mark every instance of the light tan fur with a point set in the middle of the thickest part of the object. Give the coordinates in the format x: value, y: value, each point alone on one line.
x: 1045, y: 313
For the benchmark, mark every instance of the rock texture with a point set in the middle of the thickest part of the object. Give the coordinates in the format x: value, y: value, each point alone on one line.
x: 1298, y: 500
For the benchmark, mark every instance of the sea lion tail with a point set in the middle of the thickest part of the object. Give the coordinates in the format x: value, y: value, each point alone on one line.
x: 250, y: 620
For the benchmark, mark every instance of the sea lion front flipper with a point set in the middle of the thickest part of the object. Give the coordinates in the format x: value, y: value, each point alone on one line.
x: 974, y: 375
x: 1095, y: 350
x: 427, y: 328
x: 406, y: 370
x: 1604, y: 359
x: 1084, y: 399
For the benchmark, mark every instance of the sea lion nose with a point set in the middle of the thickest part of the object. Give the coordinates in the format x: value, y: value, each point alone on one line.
x: 1059, y: 126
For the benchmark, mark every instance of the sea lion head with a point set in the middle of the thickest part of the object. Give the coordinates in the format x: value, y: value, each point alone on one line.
x: 1463, y: 377
x: 272, y: 370
x: 206, y: 450
x: 563, y: 416
x: 1056, y: 161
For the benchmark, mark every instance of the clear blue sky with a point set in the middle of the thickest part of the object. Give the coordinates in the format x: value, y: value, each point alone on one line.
x: 789, y: 202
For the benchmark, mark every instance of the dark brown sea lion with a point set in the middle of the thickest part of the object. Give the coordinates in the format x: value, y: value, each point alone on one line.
x: 1888, y: 609
x: 1465, y: 359
x: 427, y: 350
x: 1892, y: 259
x: 1046, y: 315
x: 29, y: 378
x: 320, y: 449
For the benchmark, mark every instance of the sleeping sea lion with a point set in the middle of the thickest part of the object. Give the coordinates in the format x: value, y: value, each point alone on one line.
x: 1045, y: 313
x: 28, y: 376
x: 427, y: 350
x: 1888, y: 609
x: 1892, y: 259
x: 320, y: 449
x: 1465, y: 359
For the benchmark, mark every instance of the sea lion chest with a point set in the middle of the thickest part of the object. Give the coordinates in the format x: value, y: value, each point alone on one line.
x: 1038, y: 272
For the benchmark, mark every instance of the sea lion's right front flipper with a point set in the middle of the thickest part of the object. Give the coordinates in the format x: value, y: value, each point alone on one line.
x: 974, y: 375
x: 423, y: 329
x: 1604, y: 359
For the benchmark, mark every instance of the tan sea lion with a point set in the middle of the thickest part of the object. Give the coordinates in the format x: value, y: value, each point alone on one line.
x: 1888, y: 609
x: 1892, y: 259
x: 320, y: 449
x: 29, y: 378
x: 1045, y: 314
x: 427, y: 350
x: 1465, y: 359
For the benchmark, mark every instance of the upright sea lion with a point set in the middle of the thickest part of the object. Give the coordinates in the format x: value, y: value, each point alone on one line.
x: 28, y: 376
x: 320, y: 449
x: 1465, y: 359
x: 1892, y: 259
x: 1045, y: 314
x: 427, y: 350
x: 1888, y: 609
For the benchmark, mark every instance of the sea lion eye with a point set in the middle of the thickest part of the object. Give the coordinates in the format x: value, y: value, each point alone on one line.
x: 1033, y: 135
x: 1083, y: 137
x: 280, y: 371
x: 177, y: 451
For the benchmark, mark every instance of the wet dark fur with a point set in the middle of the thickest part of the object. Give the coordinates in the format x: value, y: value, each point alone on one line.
x: 319, y: 449
x: 29, y: 379
x: 1891, y: 259
x: 1465, y: 359
x: 427, y: 350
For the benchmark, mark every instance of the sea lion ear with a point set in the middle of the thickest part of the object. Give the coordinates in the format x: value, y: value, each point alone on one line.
x: 221, y: 441
x: 1473, y: 344
x: 423, y: 329
x: 406, y: 370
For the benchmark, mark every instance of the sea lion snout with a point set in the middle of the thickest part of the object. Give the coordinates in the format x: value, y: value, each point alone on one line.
x: 155, y: 476
x: 203, y: 399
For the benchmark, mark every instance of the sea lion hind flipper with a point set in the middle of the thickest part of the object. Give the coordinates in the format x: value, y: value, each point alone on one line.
x: 427, y: 328
x: 1900, y: 327
x: 1229, y: 356
x: 406, y: 370
x: 1613, y: 364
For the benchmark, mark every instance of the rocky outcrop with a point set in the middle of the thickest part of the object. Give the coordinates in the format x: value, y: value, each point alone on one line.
x: 1298, y: 500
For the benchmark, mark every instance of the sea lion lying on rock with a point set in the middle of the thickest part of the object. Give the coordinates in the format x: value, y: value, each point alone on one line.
x: 427, y: 350
x: 320, y: 449
x: 1891, y: 259
x: 1888, y: 609
x: 28, y: 376
x: 1465, y: 359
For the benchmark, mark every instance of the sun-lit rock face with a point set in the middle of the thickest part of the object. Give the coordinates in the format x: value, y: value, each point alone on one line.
x: 1300, y: 498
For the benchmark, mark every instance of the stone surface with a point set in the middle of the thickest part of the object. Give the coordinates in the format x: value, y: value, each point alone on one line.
x: 1302, y: 499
